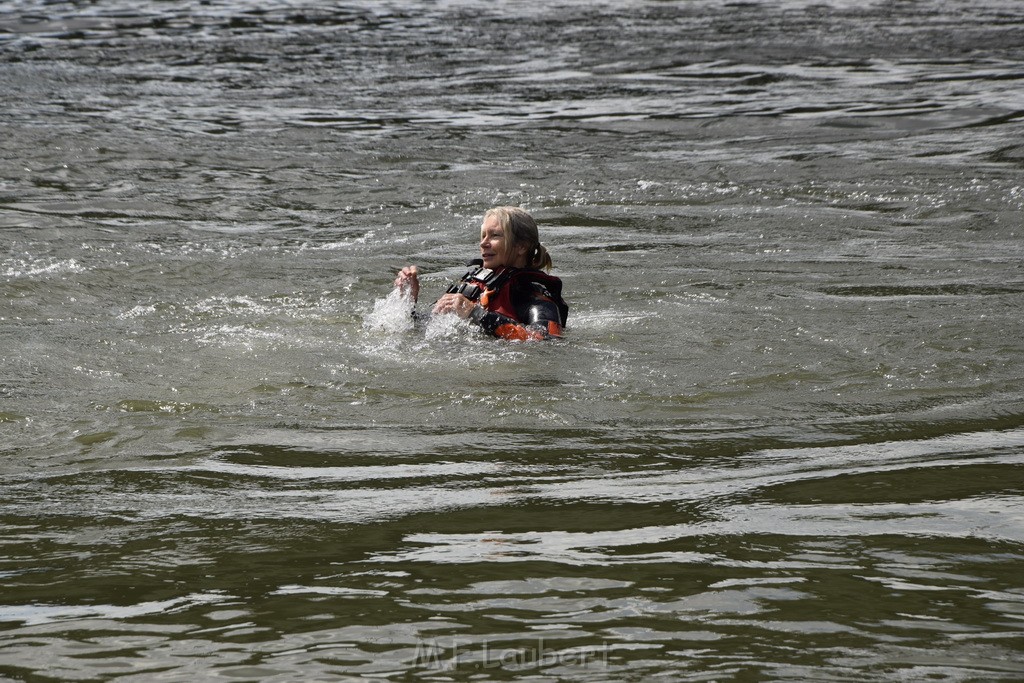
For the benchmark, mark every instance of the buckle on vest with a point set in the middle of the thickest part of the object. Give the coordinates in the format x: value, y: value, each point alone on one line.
x: 470, y: 291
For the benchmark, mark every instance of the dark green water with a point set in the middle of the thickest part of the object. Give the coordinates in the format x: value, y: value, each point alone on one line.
x: 783, y: 439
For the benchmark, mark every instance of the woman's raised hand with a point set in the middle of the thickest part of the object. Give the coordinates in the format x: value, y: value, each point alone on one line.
x: 409, y: 280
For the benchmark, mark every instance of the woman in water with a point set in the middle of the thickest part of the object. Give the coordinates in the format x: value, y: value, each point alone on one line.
x: 506, y: 292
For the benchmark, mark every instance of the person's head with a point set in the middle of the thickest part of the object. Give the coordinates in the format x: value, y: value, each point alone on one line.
x: 509, y: 237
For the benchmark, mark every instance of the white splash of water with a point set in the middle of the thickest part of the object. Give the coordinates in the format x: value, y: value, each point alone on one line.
x: 392, y: 314
x: 446, y: 326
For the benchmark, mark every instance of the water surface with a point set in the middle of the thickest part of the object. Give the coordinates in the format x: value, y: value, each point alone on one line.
x: 782, y: 440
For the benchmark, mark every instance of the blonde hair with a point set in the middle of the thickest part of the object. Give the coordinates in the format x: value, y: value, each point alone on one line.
x: 520, y: 229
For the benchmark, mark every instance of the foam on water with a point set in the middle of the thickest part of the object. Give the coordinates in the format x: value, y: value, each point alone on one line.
x: 35, y: 267
x: 447, y: 326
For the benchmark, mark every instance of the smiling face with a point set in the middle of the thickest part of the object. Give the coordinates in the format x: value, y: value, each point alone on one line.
x: 495, y: 248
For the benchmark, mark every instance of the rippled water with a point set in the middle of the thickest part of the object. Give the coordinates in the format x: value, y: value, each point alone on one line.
x: 782, y: 440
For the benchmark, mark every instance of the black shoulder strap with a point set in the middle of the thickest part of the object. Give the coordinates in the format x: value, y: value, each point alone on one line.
x: 479, y: 279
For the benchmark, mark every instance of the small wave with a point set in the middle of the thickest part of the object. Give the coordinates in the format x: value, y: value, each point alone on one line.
x: 337, y: 245
x: 239, y: 336
x: 929, y: 290
x: 298, y: 589
x: 35, y: 614
x: 176, y: 407
x: 31, y: 268
x: 352, y: 473
x: 137, y: 312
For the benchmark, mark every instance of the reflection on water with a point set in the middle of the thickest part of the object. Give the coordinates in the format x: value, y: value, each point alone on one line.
x: 781, y: 441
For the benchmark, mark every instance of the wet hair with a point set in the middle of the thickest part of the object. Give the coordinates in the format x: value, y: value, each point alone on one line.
x: 520, y: 229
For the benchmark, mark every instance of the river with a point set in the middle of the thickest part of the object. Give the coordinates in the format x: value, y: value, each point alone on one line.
x: 782, y: 439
